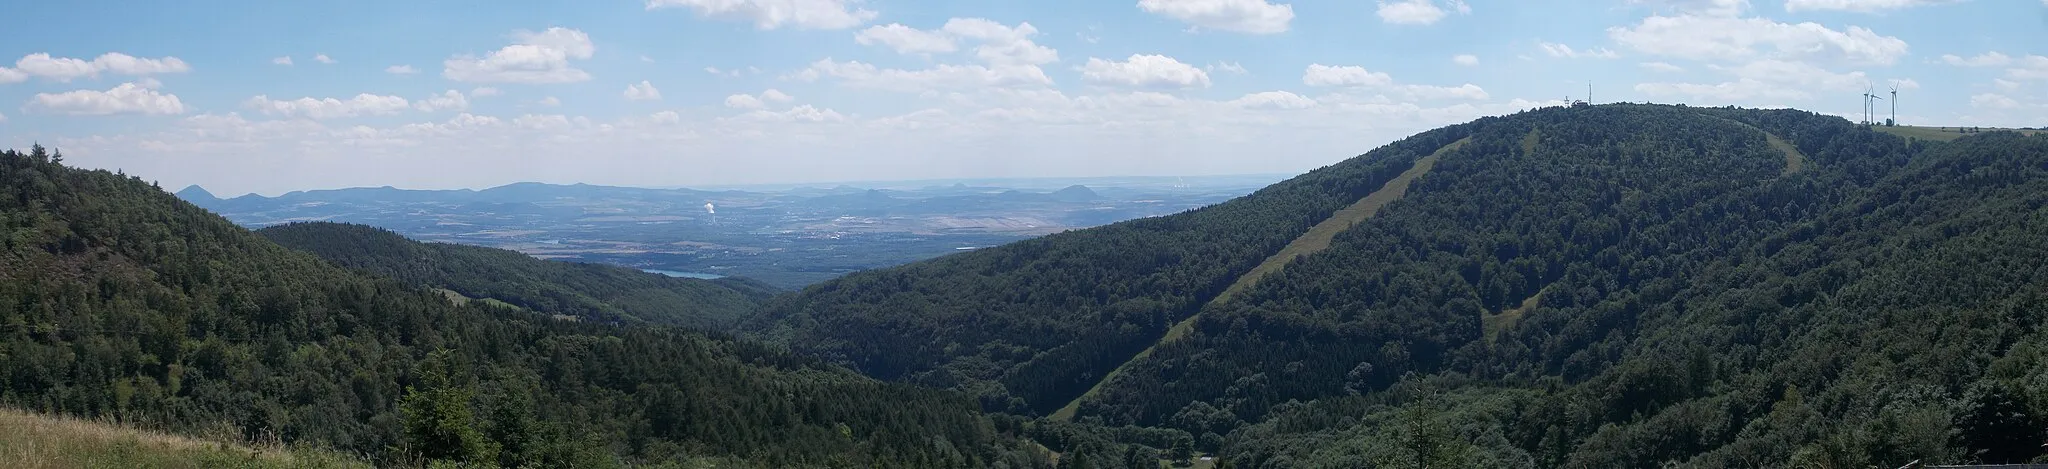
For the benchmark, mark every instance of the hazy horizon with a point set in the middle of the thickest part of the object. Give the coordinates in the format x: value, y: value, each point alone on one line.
x: 257, y: 97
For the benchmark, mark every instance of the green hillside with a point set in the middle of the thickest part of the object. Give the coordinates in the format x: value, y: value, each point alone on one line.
x: 1030, y: 325
x: 593, y: 292
x: 1607, y: 286
x: 128, y: 304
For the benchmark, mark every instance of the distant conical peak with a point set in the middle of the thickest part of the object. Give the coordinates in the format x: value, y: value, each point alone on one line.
x: 195, y: 192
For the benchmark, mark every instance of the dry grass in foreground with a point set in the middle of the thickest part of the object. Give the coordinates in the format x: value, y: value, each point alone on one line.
x: 36, y: 441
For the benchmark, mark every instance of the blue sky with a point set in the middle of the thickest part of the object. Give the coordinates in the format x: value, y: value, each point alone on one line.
x: 268, y: 97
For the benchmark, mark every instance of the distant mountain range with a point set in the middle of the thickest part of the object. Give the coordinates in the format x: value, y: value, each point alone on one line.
x: 787, y: 236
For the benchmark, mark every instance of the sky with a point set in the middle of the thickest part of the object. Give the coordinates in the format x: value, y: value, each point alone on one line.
x: 269, y: 97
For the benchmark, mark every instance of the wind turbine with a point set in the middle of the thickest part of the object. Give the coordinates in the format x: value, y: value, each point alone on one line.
x: 1894, y: 120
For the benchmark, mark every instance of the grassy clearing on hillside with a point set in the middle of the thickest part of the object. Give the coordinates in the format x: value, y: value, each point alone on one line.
x: 1939, y: 134
x: 1794, y: 160
x: 35, y: 441
x: 1316, y: 239
x: 1493, y: 324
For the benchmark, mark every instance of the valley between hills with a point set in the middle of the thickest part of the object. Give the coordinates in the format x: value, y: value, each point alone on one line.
x: 1620, y: 285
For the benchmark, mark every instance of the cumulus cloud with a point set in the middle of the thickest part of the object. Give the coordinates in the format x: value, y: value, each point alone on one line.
x: 1144, y: 71
x: 944, y: 76
x: 1987, y: 59
x: 1864, y: 6
x: 1700, y: 7
x: 1243, y: 16
x: 1325, y: 75
x: 550, y: 101
x: 450, y: 100
x: 1735, y: 39
x: 1465, y: 59
x: 1273, y: 100
x: 65, y: 69
x: 905, y: 39
x: 1564, y: 51
x: 329, y: 108
x: 1776, y: 80
x: 1419, y: 11
x: 139, y: 97
x: 285, y: 60
x: 642, y: 91
x: 400, y: 70
x: 1227, y: 67
x: 535, y: 58
x: 323, y: 58
x: 747, y: 101
x: 1661, y: 67
x: 773, y: 14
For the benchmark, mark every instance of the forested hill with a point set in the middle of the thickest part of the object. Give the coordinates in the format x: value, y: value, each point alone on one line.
x: 124, y: 303
x: 1607, y: 286
x: 591, y: 292
x: 1030, y: 325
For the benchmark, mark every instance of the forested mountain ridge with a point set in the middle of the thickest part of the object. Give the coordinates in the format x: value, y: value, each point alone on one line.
x: 1609, y: 286
x: 592, y: 292
x: 123, y: 302
x: 1029, y: 325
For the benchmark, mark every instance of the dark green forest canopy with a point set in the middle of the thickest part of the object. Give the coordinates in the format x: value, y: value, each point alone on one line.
x: 1030, y: 325
x: 591, y: 292
x: 123, y: 302
x: 1688, y: 301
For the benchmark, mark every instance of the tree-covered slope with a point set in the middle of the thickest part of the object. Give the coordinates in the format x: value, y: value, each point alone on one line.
x: 1691, y: 307
x: 595, y: 292
x: 1030, y: 325
x: 122, y: 302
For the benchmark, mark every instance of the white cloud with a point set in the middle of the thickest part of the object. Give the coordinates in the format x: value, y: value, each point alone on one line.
x: 484, y: 92
x: 1002, y: 45
x: 8, y: 75
x: 744, y: 101
x: 864, y: 75
x: 1864, y: 6
x: 450, y: 100
x: 804, y: 113
x: 1561, y: 50
x: 642, y: 91
x: 747, y: 101
x: 1325, y: 75
x: 1661, y: 67
x: 773, y: 14
x: 1419, y: 11
x: 905, y: 39
x: 1428, y: 92
x: 1987, y: 59
x: 1736, y: 39
x: 1144, y: 71
x: 323, y: 58
x: 329, y: 108
x: 549, y: 102
x: 666, y: 117
x: 140, y: 97
x: 286, y: 60
x: 3, y: 118
x: 400, y: 70
x: 2032, y: 67
x: 1465, y: 59
x: 1244, y: 16
x: 533, y: 58
x: 65, y: 69
x: 1993, y: 101
x: 1776, y: 80
x: 1228, y: 67
x: 1273, y: 100
x: 1701, y: 7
